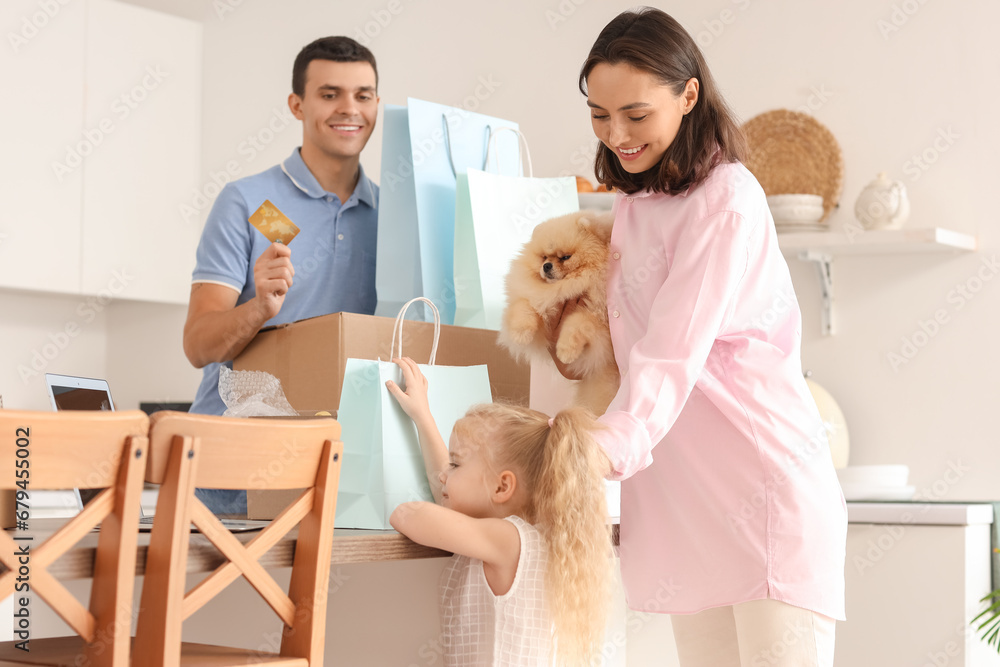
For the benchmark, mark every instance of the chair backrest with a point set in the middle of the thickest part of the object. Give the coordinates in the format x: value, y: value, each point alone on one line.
x: 79, y: 449
x: 191, y: 451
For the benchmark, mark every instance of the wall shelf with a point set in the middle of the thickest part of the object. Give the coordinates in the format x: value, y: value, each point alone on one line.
x: 822, y: 247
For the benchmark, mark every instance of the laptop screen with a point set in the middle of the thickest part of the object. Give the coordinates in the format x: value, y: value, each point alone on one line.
x: 78, y: 393
x: 77, y: 398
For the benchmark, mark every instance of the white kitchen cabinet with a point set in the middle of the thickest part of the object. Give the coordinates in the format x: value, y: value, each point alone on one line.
x: 144, y: 87
x: 915, y: 574
x: 103, y: 108
x: 42, y: 78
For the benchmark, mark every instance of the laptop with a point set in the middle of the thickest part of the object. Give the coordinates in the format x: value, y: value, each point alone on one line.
x: 67, y: 392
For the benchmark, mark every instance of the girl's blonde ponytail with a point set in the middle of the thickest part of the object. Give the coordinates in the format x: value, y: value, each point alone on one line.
x: 571, y: 512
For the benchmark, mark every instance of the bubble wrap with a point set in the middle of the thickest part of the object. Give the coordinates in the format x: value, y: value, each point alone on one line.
x: 252, y: 394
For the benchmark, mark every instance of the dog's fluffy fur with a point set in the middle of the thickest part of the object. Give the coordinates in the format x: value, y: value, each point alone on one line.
x: 565, y: 260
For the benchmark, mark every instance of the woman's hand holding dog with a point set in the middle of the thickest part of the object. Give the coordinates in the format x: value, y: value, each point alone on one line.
x: 553, y: 328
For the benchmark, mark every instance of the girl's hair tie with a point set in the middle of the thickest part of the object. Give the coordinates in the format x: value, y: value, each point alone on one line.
x: 551, y: 419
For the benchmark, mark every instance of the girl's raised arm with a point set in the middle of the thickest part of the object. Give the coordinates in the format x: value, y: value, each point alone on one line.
x: 414, y: 403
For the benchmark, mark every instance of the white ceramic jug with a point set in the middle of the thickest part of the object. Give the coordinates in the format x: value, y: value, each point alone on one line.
x: 883, y: 204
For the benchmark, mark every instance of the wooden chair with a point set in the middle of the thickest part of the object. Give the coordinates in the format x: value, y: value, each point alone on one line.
x: 67, y: 450
x: 189, y: 451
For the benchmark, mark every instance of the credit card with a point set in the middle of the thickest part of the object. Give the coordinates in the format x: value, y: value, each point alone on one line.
x: 273, y: 224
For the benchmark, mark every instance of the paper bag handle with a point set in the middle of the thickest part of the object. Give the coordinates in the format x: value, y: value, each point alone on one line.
x: 522, y: 140
x: 447, y: 145
x: 397, y: 329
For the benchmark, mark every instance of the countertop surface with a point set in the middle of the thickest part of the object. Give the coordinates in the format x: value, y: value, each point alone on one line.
x: 918, y: 513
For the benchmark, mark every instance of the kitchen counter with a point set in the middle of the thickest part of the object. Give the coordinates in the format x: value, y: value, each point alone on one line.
x: 915, y: 574
x: 921, y: 514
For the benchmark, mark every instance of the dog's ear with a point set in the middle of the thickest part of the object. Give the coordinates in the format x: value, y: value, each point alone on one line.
x: 598, y: 223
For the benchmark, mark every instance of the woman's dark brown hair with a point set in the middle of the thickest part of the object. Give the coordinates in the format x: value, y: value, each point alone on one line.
x: 650, y: 40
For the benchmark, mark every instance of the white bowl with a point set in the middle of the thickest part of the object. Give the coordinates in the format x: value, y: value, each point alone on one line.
x: 860, y: 492
x: 880, y: 475
x: 794, y: 200
x: 796, y: 213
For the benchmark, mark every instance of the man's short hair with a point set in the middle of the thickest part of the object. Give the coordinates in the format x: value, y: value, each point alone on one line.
x: 338, y: 49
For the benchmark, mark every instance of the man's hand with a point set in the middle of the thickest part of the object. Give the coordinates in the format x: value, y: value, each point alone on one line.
x: 216, y: 328
x: 272, y: 277
x: 553, y: 327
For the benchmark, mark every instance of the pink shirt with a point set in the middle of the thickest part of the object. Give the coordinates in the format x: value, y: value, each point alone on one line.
x: 730, y: 494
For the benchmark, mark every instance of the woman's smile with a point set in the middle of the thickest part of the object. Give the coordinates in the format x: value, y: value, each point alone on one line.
x: 631, y: 153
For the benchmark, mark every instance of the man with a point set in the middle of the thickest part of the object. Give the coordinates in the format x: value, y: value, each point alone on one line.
x: 241, y: 281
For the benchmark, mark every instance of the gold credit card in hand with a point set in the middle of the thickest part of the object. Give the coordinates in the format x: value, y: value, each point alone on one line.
x: 273, y: 224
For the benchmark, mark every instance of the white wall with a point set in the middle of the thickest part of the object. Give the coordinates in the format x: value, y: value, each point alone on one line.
x: 36, y: 337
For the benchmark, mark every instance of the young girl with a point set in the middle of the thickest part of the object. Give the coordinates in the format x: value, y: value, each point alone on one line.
x: 737, y: 506
x: 520, y: 502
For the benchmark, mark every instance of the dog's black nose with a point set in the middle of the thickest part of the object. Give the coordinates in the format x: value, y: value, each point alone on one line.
x: 547, y: 267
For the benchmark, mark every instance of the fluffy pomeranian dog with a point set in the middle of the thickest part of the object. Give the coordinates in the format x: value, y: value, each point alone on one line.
x: 565, y: 260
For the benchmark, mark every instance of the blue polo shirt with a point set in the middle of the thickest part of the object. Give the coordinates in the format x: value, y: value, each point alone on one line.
x: 333, y: 254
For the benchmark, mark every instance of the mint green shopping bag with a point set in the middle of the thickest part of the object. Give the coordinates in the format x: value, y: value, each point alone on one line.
x: 494, y: 218
x: 383, y: 466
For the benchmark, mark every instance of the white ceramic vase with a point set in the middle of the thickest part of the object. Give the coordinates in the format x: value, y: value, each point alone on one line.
x: 883, y: 204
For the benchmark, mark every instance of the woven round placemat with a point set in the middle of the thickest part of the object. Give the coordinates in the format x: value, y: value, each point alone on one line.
x: 791, y: 152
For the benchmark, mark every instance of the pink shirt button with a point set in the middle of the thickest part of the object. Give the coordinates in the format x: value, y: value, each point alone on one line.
x: 617, y: 255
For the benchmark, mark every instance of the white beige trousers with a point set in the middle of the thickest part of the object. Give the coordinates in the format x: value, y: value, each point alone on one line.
x: 762, y: 633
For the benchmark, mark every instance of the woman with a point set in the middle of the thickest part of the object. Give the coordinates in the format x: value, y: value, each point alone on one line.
x: 732, y: 517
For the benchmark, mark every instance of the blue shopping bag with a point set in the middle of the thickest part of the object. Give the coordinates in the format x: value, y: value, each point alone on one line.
x: 424, y: 146
x: 383, y: 466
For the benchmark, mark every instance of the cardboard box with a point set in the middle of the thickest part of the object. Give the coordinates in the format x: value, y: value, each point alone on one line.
x: 309, y: 356
x: 268, y: 504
